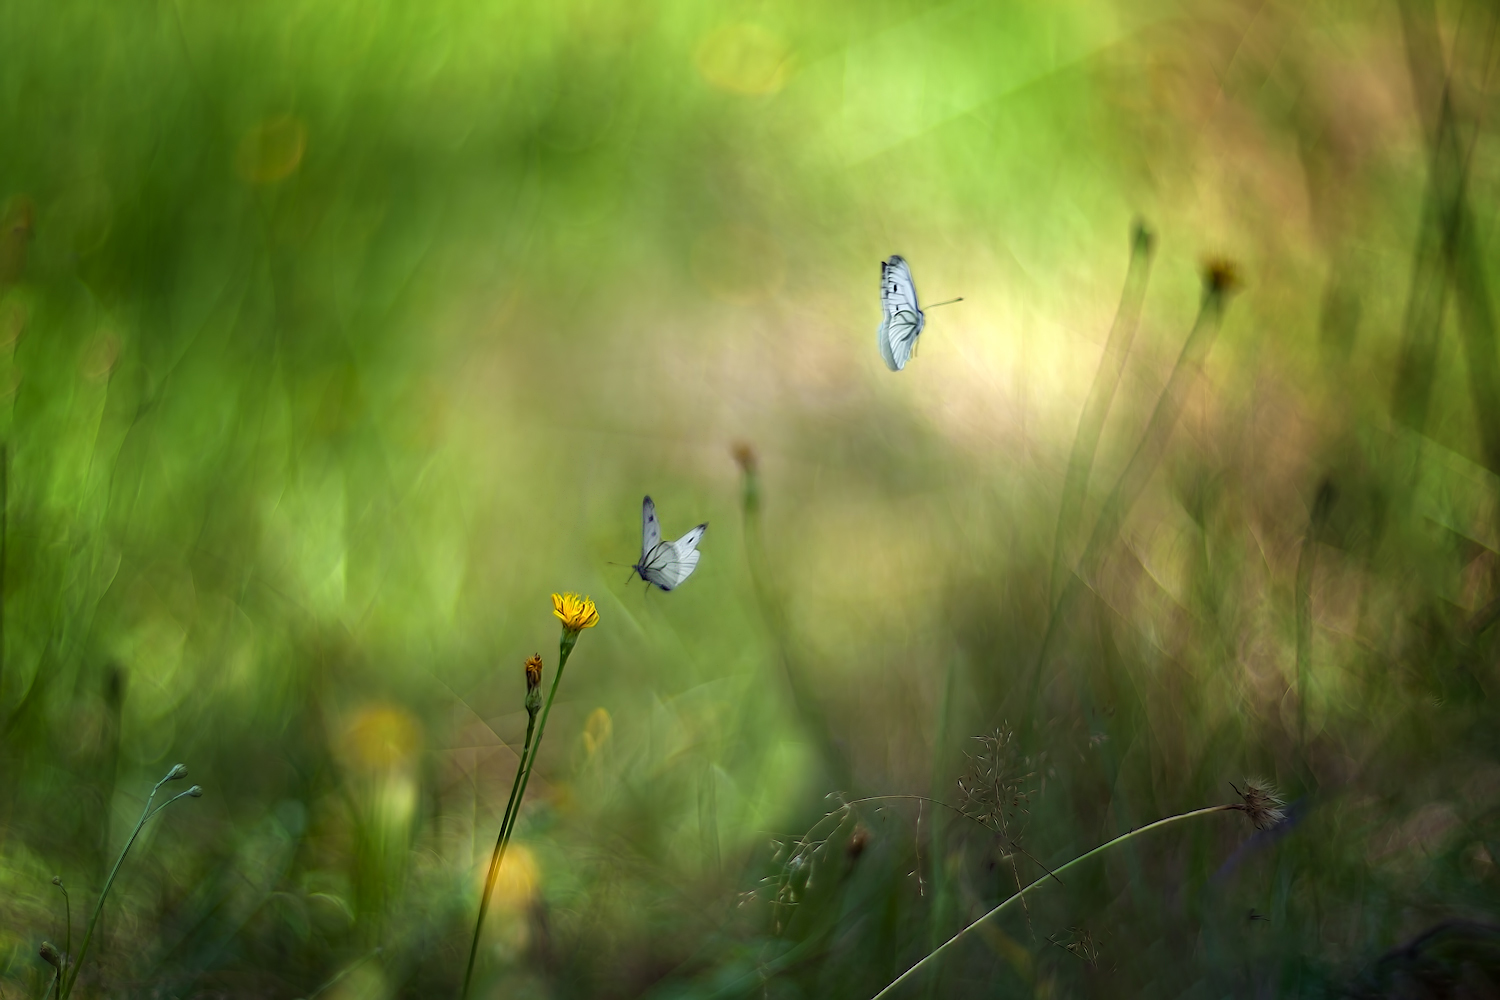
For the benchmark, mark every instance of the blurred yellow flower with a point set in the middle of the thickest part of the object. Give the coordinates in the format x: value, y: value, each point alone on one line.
x: 597, y: 730
x: 381, y: 737
x: 518, y: 880
x: 744, y: 58
x: 577, y: 613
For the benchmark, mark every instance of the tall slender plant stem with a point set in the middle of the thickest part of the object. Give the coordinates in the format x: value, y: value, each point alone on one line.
x: 146, y: 813
x: 1101, y: 395
x: 498, y: 852
x: 1137, y: 474
x: 518, y: 794
x: 955, y: 939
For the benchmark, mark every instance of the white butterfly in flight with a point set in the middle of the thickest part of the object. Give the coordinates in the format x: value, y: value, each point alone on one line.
x: 898, y: 333
x: 666, y: 564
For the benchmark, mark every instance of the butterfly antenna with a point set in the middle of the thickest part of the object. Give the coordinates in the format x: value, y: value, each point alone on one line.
x: 934, y: 305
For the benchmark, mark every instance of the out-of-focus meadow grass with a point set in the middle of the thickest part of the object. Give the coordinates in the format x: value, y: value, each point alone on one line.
x: 337, y: 335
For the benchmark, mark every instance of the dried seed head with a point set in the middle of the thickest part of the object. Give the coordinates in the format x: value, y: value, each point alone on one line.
x: 1220, y: 275
x: 1000, y: 783
x: 50, y: 955
x: 744, y: 455
x: 1261, y: 803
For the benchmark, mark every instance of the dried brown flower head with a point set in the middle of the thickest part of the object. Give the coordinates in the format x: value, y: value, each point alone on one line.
x: 1220, y: 275
x: 744, y: 454
x: 1261, y: 803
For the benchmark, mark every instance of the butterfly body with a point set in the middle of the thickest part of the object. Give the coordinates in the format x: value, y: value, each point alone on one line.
x: 665, y: 563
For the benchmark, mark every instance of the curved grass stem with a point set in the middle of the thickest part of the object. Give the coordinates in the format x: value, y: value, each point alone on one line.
x: 955, y: 939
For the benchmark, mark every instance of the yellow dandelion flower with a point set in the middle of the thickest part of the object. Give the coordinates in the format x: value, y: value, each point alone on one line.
x: 577, y: 613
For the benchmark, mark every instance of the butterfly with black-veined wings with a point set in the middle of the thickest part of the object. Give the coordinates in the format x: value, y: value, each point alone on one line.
x: 904, y: 319
x: 666, y: 564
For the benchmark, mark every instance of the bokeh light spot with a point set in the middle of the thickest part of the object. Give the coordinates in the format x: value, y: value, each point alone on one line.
x: 744, y: 58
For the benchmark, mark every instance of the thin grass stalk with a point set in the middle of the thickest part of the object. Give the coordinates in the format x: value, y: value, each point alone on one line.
x: 177, y: 772
x: 1452, y: 135
x: 1307, y: 561
x: 497, y: 854
x: 1427, y: 294
x: 932, y: 955
x: 942, y: 895
x: 1101, y: 396
x: 804, y: 703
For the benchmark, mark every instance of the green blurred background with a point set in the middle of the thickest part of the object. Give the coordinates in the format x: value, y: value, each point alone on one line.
x: 338, y: 335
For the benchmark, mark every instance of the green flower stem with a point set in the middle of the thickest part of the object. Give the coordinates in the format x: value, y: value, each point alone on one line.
x: 498, y: 853
x: 564, y: 649
x: 518, y: 793
x: 146, y: 814
x: 931, y: 956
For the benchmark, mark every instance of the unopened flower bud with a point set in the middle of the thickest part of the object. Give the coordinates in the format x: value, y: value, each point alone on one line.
x: 50, y: 955
x: 533, y: 671
x: 196, y: 791
x: 178, y: 771
x: 57, y: 880
x: 1220, y: 275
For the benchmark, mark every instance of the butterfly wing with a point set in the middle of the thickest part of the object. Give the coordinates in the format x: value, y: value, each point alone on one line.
x: 670, y: 563
x: 650, y: 528
x: 897, y: 338
x: 898, y: 293
x: 903, y: 322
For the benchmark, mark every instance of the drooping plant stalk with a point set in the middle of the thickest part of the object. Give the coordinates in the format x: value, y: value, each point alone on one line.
x: 178, y: 771
x: 933, y: 955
